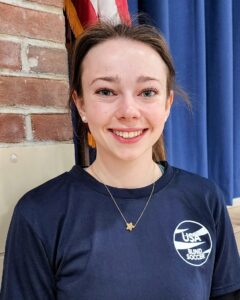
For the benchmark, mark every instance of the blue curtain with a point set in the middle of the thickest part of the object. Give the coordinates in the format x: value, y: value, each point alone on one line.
x: 204, y: 39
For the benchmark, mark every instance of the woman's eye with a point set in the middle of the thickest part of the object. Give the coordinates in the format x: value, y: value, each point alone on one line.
x: 105, y: 92
x: 149, y: 93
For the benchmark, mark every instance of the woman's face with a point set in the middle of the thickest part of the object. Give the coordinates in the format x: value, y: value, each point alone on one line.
x: 124, y: 98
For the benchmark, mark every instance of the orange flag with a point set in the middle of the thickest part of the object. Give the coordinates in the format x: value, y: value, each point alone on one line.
x: 82, y: 13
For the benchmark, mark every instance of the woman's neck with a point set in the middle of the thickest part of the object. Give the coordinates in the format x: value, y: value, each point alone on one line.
x: 125, y: 174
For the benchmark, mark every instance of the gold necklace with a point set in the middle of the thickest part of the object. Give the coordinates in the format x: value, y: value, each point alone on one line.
x: 129, y: 225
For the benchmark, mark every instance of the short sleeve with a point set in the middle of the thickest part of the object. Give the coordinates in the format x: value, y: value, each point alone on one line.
x: 226, y: 276
x: 27, y: 273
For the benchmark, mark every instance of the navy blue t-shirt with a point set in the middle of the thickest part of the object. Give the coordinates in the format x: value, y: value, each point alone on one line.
x: 67, y: 241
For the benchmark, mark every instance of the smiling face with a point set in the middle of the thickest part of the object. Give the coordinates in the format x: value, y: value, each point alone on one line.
x: 124, y: 99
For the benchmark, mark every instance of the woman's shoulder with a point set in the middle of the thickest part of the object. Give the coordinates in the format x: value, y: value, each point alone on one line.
x: 51, y: 197
x: 190, y: 180
x: 195, y: 188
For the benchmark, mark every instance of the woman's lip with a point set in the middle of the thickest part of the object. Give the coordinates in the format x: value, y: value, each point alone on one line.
x: 127, y: 129
x: 128, y: 140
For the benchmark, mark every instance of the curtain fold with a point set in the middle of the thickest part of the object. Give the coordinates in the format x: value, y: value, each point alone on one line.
x: 219, y: 42
x: 204, y: 40
x: 236, y: 97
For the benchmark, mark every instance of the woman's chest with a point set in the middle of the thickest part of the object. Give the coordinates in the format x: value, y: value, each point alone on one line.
x: 161, y: 259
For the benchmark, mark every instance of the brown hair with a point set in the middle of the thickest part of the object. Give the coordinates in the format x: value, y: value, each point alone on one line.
x: 104, y: 31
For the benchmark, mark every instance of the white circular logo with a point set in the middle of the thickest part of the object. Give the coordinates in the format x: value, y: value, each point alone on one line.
x: 192, y: 242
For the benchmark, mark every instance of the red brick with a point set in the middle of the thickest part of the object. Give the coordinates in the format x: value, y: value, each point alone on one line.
x: 48, y: 60
x: 57, y: 3
x: 11, y: 128
x: 33, y: 91
x: 10, y: 55
x: 30, y: 23
x: 54, y: 127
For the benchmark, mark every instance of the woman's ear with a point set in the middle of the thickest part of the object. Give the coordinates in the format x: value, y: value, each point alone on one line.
x: 80, y: 105
x: 169, y: 103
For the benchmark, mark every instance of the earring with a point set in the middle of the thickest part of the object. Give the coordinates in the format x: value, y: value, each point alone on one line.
x: 91, y: 141
x: 84, y: 119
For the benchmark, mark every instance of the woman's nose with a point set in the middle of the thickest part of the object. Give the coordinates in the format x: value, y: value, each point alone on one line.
x: 128, y: 108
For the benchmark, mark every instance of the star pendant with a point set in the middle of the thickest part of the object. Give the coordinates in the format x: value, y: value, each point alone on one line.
x: 130, y: 226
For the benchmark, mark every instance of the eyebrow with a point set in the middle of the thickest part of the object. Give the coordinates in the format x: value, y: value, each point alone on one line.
x: 146, y: 78
x: 116, y: 79
x: 106, y: 78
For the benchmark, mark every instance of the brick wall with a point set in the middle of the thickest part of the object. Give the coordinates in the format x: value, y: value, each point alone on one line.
x: 33, y: 90
x: 33, y: 72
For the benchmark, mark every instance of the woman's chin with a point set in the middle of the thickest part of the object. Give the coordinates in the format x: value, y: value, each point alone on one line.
x: 131, y: 155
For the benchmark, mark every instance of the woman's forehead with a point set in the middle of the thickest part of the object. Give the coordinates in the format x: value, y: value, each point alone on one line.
x: 118, y: 46
x: 123, y: 56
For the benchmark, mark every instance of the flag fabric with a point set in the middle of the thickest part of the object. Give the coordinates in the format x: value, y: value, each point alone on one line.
x: 82, y: 13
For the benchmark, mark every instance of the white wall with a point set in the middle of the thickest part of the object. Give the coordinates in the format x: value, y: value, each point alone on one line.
x: 23, y: 168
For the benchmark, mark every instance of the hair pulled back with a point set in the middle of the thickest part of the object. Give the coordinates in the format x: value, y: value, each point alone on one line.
x: 103, y: 31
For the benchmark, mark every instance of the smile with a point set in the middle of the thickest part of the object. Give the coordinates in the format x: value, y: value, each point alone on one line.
x: 128, y: 134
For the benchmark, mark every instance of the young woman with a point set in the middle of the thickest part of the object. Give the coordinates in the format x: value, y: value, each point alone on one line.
x: 129, y: 226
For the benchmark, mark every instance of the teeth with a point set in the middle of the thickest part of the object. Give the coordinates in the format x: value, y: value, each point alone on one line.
x: 127, y: 135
